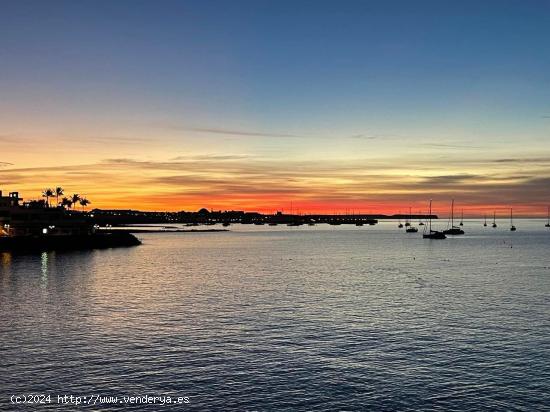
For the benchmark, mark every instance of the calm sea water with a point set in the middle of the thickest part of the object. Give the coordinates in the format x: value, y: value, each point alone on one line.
x: 279, y: 318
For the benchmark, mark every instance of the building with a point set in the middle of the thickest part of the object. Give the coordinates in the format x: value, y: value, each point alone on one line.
x: 36, y: 218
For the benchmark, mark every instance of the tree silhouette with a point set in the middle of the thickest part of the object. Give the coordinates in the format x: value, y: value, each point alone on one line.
x: 75, y: 198
x: 84, y: 202
x: 66, y: 202
x: 58, y: 192
x: 47, y: 193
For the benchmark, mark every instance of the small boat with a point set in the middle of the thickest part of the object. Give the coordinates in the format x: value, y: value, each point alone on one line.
x: 410, y: 229
x: 432, y: 234
x: 548, y: 219
x: 512, y: 227
x: 311, y: 224
x: 272, y: 223
x: 408, y: 221
x: 359, y: 224
x: 453, y: 230
x: 461, y: 218
x: 485, y: 222
x: 259, y: 223
x: 494, y: 220
x: 225, y: 224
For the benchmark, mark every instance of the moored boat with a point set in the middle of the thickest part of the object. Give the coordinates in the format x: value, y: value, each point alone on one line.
x: 432, y: 234
x: 453, y: 230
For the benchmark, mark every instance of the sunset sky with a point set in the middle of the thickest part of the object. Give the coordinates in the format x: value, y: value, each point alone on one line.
x: 369, y: 106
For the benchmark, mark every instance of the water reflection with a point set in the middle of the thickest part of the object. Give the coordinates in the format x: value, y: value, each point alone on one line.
x: 44, y: 269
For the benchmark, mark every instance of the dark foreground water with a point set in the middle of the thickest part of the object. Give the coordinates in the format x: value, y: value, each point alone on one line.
x: 264, y: 318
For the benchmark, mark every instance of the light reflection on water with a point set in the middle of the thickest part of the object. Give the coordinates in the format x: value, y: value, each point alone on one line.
x: 265, y: 318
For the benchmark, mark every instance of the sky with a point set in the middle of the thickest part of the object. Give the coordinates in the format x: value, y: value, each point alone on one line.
x: 335, y: 106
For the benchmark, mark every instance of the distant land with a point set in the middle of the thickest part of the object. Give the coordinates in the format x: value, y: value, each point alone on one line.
x: 115, y: 217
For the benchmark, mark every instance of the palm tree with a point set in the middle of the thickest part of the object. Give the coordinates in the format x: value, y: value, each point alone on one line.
x: 47, y: 193
x: 58, y: 192
x: 75, y: 198
x: 84, y: 202
x: 66, y: 202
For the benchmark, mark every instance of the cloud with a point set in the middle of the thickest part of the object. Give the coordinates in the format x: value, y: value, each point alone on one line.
x: 113, y: 139
x: 525, y: 160
x: 365, y: 137
x: 213, y: 157
x: 239, y: 181
x: 448, y: 179
x: 450, y: 146
x: 232, y: 132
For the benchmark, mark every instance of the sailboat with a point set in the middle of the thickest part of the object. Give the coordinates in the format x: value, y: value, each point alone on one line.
x: 494, y: 219
x: 461, y: 218
x: 420, y: 222
x: 512, y: 227
x: 485, y: 222
x: 432, y: 234
x: 548, y: 219
x: 400, y: 225
x: 453, y: 230
x: 410, y: 229
x: 408, y: 220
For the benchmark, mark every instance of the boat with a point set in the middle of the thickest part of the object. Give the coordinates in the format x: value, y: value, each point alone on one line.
x: 461, y: 218
x: 548, y: 219
x: 225, y: 224
x: 410, y: 229
x: 494, y: 225
x: 295, y: 223
x: 485, y: 222
x: 400, y: 225
x: 432, y: 234
x: 359, y: 224
x: 512, y: 227
x: 272, y: 223
x: 408, y: 220
x: 453, y: 230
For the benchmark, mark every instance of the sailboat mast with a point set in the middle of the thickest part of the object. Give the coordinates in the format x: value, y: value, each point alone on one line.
x: 430, y: 216
x: 452, y: 213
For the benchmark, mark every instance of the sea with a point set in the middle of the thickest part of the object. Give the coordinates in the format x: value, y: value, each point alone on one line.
x: 261, y: 318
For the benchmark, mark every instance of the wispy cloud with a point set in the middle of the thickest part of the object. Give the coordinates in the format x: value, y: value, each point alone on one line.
x: 365, y: 137
x: 232, y: 132
x: 214, y: 157
x: 237, y: 181
x: 450, y: 146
